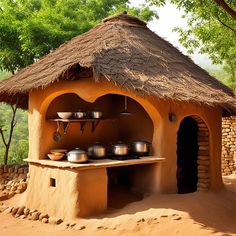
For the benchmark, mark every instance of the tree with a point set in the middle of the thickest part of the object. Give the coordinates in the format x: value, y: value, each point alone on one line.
x: 211, y: 30
x: 29, y: 29
x: 32, y: 28
x: 7, y: 140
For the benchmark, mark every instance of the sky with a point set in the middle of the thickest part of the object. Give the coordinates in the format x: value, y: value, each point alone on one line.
x: 169, y: 18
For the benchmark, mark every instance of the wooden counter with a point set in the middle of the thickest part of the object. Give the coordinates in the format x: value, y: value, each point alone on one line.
x: 95, y: 164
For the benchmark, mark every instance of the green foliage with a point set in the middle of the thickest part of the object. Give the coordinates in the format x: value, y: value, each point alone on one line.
x: 210, y: 30
x: 30, y: 29
x: 4, y: 74
x: 19, y: 145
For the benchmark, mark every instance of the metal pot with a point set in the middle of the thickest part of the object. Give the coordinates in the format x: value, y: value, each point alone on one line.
x: 120, y: 149
x: 96, y: 114
x: 97, y: 151
x: 77, y: 155
x: 79, y: 114
x: 141, y: 147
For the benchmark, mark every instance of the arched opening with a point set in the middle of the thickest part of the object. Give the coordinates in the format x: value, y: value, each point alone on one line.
x: 192, y: 155
x: 187, y: 154
x: 118, y: 127
x: 124, y: 184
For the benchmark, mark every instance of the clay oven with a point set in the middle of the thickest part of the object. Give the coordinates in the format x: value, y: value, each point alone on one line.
x: 175, y: 105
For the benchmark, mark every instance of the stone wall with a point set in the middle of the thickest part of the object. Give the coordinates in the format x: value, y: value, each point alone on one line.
x: 203, y: 161
x: 228, y: 145
x: 13, y: 180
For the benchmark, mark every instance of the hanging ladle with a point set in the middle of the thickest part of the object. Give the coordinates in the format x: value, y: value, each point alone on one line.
x: 56, y: 134
x: 126, y: 112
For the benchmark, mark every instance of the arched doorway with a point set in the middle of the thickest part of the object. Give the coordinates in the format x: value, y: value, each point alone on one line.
x: 187, y: 155
x: 193, y: 160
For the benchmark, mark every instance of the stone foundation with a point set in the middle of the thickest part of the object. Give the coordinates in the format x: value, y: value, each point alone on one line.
x: 228, y: 145
x: 13, y: 180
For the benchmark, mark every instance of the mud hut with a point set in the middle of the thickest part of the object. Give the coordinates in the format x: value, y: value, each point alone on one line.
x: 175, y: 105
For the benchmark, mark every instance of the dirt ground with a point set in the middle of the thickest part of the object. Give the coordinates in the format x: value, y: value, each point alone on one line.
x: 206, y: 213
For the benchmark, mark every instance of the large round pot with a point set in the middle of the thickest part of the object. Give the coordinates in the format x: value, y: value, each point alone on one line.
x: 97, y: 151
x: 120, y: 149
x: 96, y: 114
x: 141, y: 147
x: 77, y: 155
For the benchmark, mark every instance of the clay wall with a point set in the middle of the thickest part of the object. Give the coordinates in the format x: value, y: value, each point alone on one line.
x: 56, y: 191
x: 164, y: 135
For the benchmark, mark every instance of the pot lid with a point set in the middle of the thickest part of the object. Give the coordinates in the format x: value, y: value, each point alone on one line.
x: 141, y: 141
x: 97, y: 144
x: 77, y: 151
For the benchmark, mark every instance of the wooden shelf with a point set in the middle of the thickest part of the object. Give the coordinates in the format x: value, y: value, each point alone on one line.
x: 79, y: 120
x: 96, y: 164
x: 82, y: 122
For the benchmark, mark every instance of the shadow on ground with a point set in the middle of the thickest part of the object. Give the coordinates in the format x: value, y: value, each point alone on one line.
x: 211, y: 210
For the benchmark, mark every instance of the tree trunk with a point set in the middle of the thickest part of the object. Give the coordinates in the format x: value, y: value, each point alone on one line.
x: 6, y: 155
x: 227, y: 8
x: 8, y: 142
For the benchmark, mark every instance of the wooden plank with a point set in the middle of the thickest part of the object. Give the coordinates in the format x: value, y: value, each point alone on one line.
x: 93, y: 164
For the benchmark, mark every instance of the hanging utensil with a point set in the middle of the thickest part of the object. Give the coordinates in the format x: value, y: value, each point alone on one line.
x: 126, y: 112
x: 56, y: 134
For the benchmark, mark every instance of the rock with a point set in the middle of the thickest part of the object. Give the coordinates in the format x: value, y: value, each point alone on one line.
x: 32, y: 211
x: 82, y: 227
x: 43, y: 215
x: 203, y: 162
x: 21, y: 170
x: 141, y: 220
x: 14, y: 210
x: 45, y: 220
x: 26, y: 211
x: 22, y: 217
x: 164, y: 215
x: 11, y: 170
x: 13, y: 188
x: 21, y: 210
x: 11, y: 194
x: 54, y: 220
x: 35, y: 215
x: 176, y: 218
x: 22, y: 186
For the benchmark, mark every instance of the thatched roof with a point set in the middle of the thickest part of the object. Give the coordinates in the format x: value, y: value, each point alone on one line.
x: 125, y: 52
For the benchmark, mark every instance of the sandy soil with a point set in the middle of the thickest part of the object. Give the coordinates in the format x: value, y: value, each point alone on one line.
x: 212, y: 213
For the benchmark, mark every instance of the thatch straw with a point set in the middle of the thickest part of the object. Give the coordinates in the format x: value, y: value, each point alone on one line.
x: 125, y: 52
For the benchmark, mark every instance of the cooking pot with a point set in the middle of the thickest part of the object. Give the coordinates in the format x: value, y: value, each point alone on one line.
x: 96, y: 114
x: 97, y: 151
x: 141, y: 147
x: 79, y: 114
x: 77, y: 155
x: 120, y: 149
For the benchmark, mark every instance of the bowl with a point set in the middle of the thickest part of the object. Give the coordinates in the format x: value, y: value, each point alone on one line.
x: 56, y: 156
x: 58, y: 151
x: 65, y: 115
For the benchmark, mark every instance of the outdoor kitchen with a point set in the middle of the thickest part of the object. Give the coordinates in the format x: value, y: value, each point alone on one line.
x: 117, y: 114
x: 92, y: 144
